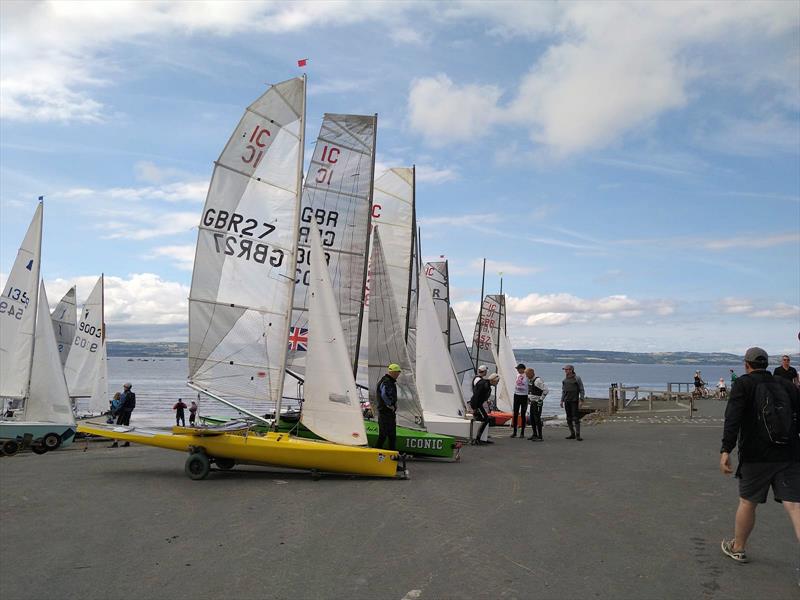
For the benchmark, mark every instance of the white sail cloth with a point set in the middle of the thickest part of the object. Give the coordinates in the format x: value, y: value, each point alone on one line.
x: 491, y: 347
x: 439, y: 388
x: 64, y: 324
x: 387, y: 341
x: 18, y: 307
x: 336, y: 201
x: 88, y: 347
x: 244, y: 271
x: 48, y: 400
x: 393, y: 210
x: 331, y: 407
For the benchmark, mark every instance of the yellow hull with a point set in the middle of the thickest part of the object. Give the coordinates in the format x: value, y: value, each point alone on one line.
x: 270, y: 449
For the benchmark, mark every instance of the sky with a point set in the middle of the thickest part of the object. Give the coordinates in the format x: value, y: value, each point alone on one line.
x: 632, y: 169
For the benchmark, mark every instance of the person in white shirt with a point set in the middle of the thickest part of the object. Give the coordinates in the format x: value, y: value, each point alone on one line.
x: 537, y: 391
x: 520, y: 400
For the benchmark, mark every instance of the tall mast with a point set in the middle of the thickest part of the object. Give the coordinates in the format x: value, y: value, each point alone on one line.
x: 366, y: 259
x: 447, y: 282
x: 299, y: 194
x: 35, y: 303
x: 501, y: 314
x: 480, y: 319
x: 413, y: 244
x: 103, y: 308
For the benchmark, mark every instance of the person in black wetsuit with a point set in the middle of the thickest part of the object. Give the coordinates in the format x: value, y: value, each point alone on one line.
x: 386, y: 394
x: 482, y: 389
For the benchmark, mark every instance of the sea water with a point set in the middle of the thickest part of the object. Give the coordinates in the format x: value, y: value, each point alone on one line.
x: 159, y: 382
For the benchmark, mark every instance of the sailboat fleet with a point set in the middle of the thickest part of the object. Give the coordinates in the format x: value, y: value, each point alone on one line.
x: 300, y: 287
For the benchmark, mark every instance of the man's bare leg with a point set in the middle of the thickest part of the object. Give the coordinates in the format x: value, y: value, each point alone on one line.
x: 745, y: 521
x: 793, y: 508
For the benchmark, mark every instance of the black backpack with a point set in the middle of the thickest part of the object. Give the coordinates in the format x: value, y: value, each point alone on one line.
x: 131, y: 403
x: 774, y: 412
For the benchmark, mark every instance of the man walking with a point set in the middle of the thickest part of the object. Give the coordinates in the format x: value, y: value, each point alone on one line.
x: 572, y: 395
x: 787, y: 371
x: 386, y: 394
x: 762, y: 416
x: 480, y: 394
x: 520, y: 400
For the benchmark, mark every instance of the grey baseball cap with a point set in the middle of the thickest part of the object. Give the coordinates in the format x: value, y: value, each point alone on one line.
x: 756, y: 354
x: 482, y: 369
x: 567, y: 367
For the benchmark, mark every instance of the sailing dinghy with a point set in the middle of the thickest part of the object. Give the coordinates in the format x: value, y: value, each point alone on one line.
x: 30, y: 367
x: 65, y: 323
x: 240, y: 303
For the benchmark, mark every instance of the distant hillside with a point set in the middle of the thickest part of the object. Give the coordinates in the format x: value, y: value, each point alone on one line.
x: 533, y: 355
x: 148, y: 349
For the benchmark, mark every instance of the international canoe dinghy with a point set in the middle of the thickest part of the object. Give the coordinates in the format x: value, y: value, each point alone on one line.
x: 236, y: 443
x: 30, y: 368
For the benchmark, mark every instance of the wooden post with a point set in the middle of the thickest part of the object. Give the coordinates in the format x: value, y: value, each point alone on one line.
x: 650, y: 401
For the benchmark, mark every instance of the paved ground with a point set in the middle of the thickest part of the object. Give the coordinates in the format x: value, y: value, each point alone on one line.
x: 637, y: 510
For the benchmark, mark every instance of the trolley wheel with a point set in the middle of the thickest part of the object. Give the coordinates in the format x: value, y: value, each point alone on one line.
x: 315, y: 474
x: 225, y: 464
x: 39, y: 449
x: 51, y: 441
x: 10, y: 447
x: 197, y: 466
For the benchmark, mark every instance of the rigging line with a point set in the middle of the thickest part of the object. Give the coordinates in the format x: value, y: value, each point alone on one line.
x: 274, y: 88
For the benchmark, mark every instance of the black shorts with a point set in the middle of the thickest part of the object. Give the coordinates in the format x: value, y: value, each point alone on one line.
x: 756, y: 479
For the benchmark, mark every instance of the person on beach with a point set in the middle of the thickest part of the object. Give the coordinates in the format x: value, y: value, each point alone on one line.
x: 537, y: 391
x: 520, y: 400
x: 126, y: 408
x: 192, y: 414
x: 572, y: 396
x: 179, y: 407
x: 116, y: 402
x: 480, y: 395
x: 722, y: 389
x: 386, y: 394
x: 699, y: 384
x: 787, y: 371
x: 733, y: 377
x: 769, y: 447
x: 482, y: 371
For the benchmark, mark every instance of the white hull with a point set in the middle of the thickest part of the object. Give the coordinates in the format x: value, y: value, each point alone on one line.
x: 453, y: 426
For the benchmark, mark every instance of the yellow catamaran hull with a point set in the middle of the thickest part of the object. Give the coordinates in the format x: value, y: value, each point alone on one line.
x: 269, y: 449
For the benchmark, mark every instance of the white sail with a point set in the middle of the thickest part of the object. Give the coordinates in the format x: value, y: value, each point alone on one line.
x: 489, y: 329
x: 18, y: 313
x: 244, y: 271
x: 336, y: 201
x: 88, y: 346
x: 64, y: 324
x: 459, y: 353
x: 437, y: 276
x: 393, y: 209
x: 49, y: 399
x: 331, y: 407
x: 387, y: 341
x: 439, y: 388
x: 98, y: 401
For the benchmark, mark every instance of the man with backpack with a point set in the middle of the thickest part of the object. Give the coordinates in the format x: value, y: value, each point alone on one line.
x: 761, y: 417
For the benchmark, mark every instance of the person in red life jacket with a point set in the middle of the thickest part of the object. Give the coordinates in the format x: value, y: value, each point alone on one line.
x: 520, y: 400
x: 179, y: 407
x: 761, y: 417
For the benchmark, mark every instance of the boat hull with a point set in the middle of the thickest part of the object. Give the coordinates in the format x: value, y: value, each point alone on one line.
x: 409, y: 441
x: 10, y: 430
x: 267, y: 449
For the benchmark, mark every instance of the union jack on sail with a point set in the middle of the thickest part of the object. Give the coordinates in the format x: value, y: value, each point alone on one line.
x: 298, y: 339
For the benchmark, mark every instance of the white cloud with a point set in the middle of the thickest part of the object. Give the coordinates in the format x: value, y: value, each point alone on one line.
x: 611, y: 68
x: 428, y: 174
x: 146, y: 225
x: 139, y: 299
x: 754, y: 308
x: 182, y: 256
x: 462, y: 220
x: 183, y: 191
x: 443, y: 112
x: 150, y: 172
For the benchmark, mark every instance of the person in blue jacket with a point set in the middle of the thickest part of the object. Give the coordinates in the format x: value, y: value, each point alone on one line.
x: 386, y: 395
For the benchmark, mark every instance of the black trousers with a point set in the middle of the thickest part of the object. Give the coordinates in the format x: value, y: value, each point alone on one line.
x: 180, y: 419
x: 387, y: 429
x: 124, y: 417
x: 520, y: 408
x: 536, y: 418
x: 479, y: 414
x: 573, y: 414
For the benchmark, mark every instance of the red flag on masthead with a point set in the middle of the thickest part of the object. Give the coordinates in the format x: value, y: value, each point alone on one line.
x: 302, y: 62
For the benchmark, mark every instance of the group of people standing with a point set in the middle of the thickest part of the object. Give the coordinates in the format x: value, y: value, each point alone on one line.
x: 122, y: 405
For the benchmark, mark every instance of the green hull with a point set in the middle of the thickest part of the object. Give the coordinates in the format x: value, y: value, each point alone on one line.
x: 409, y: 441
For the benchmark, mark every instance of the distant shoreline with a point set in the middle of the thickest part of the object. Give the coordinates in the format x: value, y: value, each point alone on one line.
x: 534, y: 355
